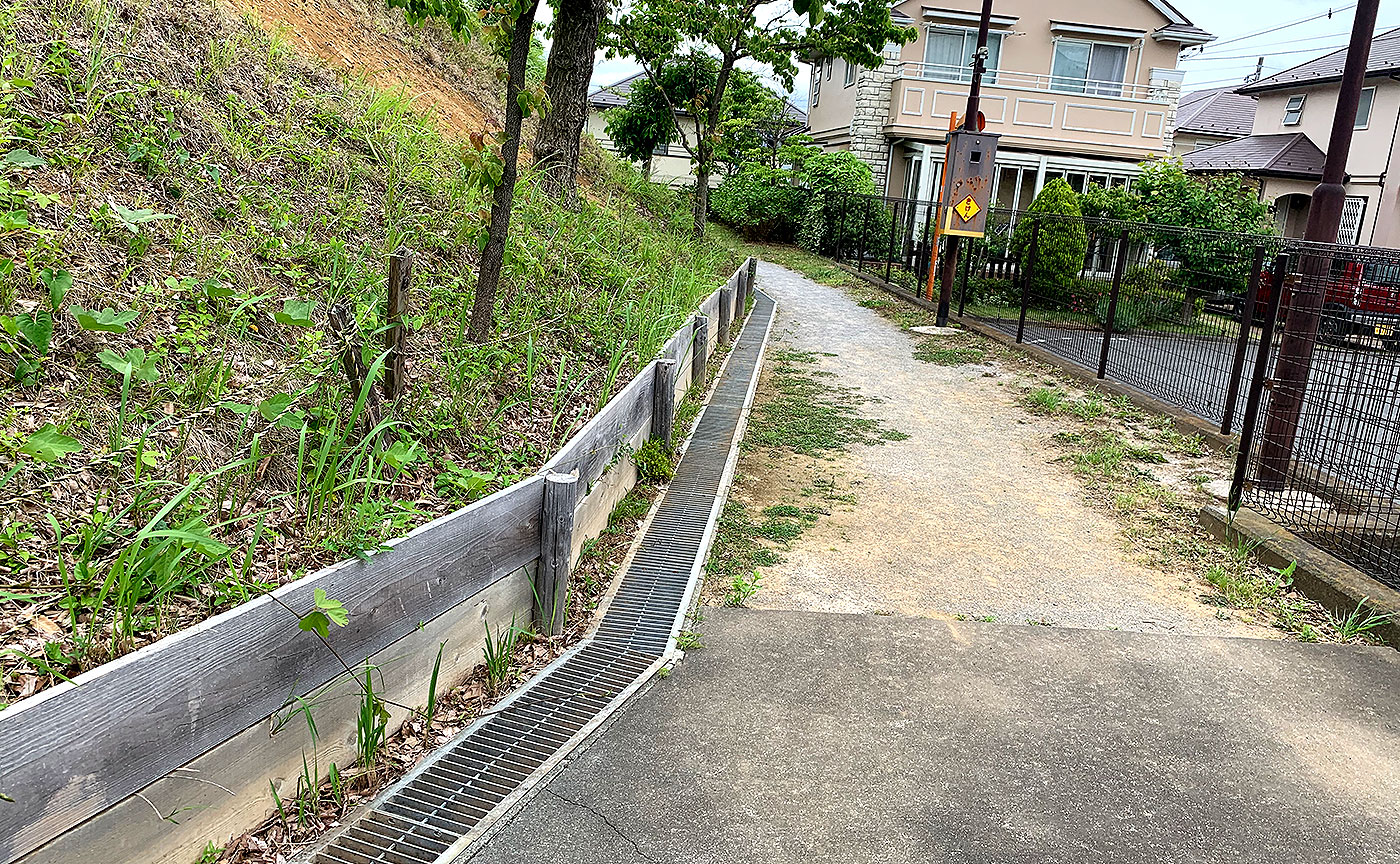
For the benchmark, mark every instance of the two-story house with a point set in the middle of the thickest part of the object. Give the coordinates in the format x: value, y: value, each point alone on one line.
x: 1292, y: 125
x: 669, y: 163
x: 1076, y: 90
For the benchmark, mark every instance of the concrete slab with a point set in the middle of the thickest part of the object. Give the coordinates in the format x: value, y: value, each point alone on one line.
x: 812, y: 737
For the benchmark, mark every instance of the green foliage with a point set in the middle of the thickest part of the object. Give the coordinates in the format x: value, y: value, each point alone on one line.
x: 328, y: 611
x: 761, y: 203
x: 106, y: 320
x: 829, y: 218
x: 47, y: 444
x: 1061, y: 246
x: 654, y: 464
x: 371, y: 723
x: 810, y: 416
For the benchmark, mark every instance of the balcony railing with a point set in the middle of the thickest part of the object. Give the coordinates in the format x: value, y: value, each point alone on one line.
x: 1035, y: 81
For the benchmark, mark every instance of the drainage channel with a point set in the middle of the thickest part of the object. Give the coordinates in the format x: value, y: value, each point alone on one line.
x: 434, y: 812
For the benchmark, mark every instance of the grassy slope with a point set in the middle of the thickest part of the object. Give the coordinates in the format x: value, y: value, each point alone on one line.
x: 258, y: 178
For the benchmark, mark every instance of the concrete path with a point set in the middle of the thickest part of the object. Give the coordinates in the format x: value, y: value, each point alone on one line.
x: 812, y: 737
x: 972, y: 515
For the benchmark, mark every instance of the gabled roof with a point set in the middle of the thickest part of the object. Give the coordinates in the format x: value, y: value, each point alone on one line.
x: 1288, y: 155
x: 1220, y: 111
x: 1383, y: 59
x: 616, y: 94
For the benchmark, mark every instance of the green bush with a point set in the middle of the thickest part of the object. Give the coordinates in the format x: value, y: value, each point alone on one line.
x: 829, y: 218
x: 1062, y: 244
x: 761, y: 203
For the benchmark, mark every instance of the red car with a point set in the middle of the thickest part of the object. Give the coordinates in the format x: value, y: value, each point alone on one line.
x: 1361, y: 300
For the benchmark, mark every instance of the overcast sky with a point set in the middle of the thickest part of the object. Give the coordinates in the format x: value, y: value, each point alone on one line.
x: 1237, y: 25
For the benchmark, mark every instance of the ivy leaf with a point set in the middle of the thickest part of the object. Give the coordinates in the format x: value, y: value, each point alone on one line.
x: 278, y: 409
x: 326, y: 613
x: 107, y: 320
x: 58, y: 284
x: 37, y: 330
x: 24, y: 159
x: 295, y: 313
x: 49, y: 445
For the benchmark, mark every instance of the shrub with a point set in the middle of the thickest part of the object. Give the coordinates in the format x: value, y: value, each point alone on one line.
x: 761, y: 203
x: 1061, y: 247
x: 654, y: 464
x: 827, y: 217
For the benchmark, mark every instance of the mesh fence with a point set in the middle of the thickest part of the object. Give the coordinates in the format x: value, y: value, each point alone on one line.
x: 1293, y: 345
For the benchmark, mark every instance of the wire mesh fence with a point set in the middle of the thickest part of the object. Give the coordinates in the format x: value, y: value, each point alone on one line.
x: 1307, y: 373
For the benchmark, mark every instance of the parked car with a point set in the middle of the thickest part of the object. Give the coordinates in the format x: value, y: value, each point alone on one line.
x: 1360, y: 300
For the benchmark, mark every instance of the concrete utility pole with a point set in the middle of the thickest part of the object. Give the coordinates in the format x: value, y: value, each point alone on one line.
x: 970, y: 122
x: 1295, y: 351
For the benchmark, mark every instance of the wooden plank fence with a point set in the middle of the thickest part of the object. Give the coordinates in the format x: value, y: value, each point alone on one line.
x: 76, y: 750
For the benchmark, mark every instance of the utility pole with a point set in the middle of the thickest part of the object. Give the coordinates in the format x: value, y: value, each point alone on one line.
x: 970, y: 122
x: 1295, y: 351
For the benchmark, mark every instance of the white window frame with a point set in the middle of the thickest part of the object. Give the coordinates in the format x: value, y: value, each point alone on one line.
x: 964, y: 73
x: 1363, y: 123
x: 851, y: 73
x: 1295, y: 110
x: 829, y: 63
x: 1086, y: 85
x: 815, y: 95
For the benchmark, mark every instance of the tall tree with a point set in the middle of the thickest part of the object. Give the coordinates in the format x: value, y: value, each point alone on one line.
x: 768, y: 33
x: 576, y: 26
x: 507, y: 27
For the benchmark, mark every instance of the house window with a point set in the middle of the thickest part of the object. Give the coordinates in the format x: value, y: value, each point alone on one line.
x: 851, y: 73
x: 1363, y: 108
x: 829, y: 64
x: 816, y: 94
x: 662, y: 149
x: 1293, y: 111
x: 1096, y: 68
x: 948, y: 54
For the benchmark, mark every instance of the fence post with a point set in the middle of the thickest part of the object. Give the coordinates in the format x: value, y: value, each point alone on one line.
x: 1256, y: 382
x: 753, y: 275
x: 889, y: 245
x: 663, y: 402
x: 921, y: 265
x: 699, y: 350
x: 840, y: 225
x: 860, y: 241
x: 1112, y: 318
x: 396, y: 334
x: 726, y: 312
x: 1026, y: 281
x: 556, y: 542
x: 1251, y: 295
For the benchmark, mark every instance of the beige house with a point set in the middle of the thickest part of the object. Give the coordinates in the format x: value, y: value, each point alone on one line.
x: 670, y: 163
x: 1076, y: 90
x: 1292, y: 124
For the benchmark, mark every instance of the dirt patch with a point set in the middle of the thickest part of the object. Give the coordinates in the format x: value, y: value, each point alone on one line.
x: 380, y: 47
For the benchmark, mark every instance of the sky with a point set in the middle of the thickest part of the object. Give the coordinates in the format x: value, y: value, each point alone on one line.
x: 1237, y: 24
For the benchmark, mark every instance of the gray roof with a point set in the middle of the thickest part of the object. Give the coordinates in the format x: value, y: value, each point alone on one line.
x: 616, y: 94
x: 1288, y: 155
x: 1220, y: 111
x: 1383, y: 59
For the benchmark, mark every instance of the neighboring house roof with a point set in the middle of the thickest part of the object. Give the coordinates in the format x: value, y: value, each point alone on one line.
x: 1288, y: 155
x: 1220, y: 111
x: 1383, y: 59
x: 616, y: 94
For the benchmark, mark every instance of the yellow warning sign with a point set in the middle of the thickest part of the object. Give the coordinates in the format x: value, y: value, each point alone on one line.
x: 967, y: 209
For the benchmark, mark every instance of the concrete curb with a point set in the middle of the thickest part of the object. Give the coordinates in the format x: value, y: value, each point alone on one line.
x: 1325, y: 578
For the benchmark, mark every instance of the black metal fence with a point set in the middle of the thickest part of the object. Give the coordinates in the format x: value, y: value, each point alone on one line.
x: 1185, y: 316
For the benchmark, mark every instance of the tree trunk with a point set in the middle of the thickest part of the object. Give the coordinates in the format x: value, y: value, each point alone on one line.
x: 566, y: 84
x: 704, y: 149
x: 493, y: 256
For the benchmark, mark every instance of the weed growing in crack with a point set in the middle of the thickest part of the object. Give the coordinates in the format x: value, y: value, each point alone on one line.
x: 741, y: 588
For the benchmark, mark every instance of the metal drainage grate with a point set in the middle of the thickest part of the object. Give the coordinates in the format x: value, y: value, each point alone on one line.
x: 425, y: 816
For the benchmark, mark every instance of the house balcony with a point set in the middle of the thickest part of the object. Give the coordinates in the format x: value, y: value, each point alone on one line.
x: 1035, y: 111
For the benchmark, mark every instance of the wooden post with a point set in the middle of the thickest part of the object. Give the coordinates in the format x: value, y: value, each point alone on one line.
x: 343, y: 323
x: 753, y: 277
x: 1113, y: 303
x: 396, y: 334
x: 699, y: 350
x: 726, y: 312
x: 556, y: 541
x: 663, y: 402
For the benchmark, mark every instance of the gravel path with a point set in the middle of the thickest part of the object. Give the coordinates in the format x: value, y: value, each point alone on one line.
x: 969, y: 516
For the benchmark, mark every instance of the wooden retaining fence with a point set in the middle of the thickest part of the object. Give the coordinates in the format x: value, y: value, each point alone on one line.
x: 147, y: 758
